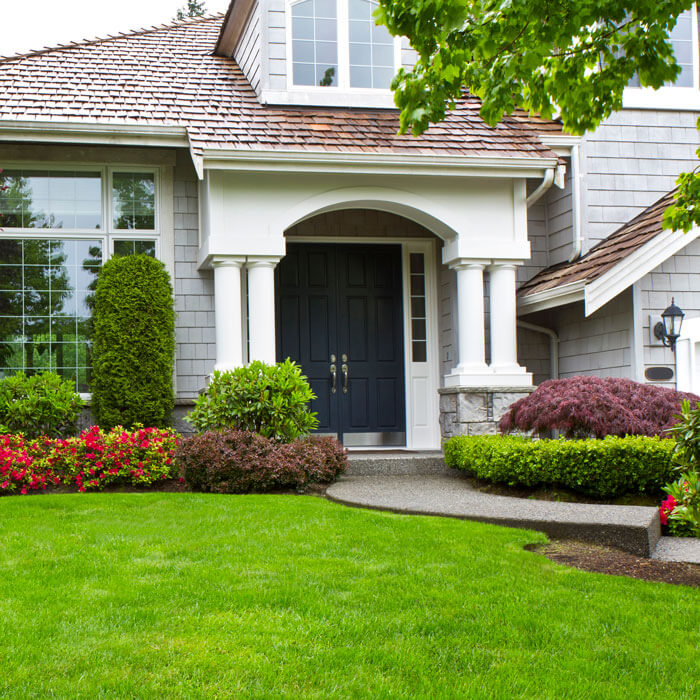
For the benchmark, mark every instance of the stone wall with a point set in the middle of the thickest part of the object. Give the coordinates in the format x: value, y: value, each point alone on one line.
x: 476, y: 410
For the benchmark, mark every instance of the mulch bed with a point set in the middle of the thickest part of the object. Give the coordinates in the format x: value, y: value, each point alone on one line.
x: 608, y: 560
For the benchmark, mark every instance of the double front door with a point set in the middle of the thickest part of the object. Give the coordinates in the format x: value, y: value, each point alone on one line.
x: 340, y: 316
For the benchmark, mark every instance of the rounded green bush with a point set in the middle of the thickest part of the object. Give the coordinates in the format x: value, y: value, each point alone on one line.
x: 134, y: 343
x: 600, y: 468
x: 272, y: 400
x: 41, y: 404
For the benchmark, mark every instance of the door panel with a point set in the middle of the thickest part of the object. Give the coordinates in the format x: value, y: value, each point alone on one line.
x: 346, y: 301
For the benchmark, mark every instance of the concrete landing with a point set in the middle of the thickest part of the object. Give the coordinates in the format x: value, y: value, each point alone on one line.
x: 685, y: 549
x: 635, y: 529
x: 396, y: 463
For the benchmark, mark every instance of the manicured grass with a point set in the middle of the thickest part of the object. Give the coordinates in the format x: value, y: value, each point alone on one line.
x: 197, y: 596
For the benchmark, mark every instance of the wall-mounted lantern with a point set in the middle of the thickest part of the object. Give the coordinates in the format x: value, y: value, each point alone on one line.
x: 670, y: 330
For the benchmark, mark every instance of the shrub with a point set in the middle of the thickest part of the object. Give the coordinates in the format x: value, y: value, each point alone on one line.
x: 682, y: 507
x: 90, y: 461
x: 594, y: 406
x: 268, y: 399
x: 600, y: 468
x: 134, y: 344
x: 237, y: 461
x: 687, y: 434
x: 42, y: 404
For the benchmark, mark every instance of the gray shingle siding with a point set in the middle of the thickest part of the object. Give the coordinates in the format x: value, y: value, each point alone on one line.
x: 195, y: 336
x: 247, y: 53
x: 599, y: 345
x: 629, y: 162
x: 679, y: 276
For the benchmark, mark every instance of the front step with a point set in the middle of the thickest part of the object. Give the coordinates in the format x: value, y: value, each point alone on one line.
x: 399, y: 463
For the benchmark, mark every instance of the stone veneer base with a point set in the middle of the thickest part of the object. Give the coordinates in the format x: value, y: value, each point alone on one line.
x: 468, y: 410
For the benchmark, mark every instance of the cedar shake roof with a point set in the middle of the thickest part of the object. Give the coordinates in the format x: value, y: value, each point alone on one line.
x: 606, y: 254
x: 170, y: 76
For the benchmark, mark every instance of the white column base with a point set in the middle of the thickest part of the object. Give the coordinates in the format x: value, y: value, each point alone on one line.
x: 515, y: 377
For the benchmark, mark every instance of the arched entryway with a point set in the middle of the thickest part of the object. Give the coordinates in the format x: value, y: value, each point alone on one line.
x: 353, y: 307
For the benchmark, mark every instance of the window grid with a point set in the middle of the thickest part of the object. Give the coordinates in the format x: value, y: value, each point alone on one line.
x: 315, y: 43
x: 61, y: 274
x: 371, y: 48
x: 419, y: 338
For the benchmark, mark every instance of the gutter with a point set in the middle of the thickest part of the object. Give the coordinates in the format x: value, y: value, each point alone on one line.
x: 553, y: 345
x: 294, y: 160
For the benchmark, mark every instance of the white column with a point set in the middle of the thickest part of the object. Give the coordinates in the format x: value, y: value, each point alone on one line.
x: 228, y: 312
x: 261, y: 308
x: 503, y: 319
x: 471, y: 369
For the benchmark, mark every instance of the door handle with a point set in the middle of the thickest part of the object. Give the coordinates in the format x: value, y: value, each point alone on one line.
x: 346, y: 373
x: 334, y: 374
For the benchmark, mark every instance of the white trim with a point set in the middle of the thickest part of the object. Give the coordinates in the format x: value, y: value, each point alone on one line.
x: 637, y: 334
x: 421, y: 434
x: 383, y: 163
x: 633, y: 267
x: 328, y: 97
x: 677, y: 99
x: 91, y: 132
x: 551, y: 298
x: 688, y: 356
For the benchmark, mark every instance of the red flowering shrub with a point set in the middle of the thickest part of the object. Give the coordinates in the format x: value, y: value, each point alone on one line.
x: 90, y: 461
x: 594, y: 406
x: 238, y: 461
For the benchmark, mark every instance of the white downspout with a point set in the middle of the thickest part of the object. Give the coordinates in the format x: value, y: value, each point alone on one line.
x: 546, y: 183
x: 553, y: 345
x: 576, y: 202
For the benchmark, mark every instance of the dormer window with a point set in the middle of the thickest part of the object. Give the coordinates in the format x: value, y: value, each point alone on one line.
x: 684, y: 93
x: 315, y: 42
x: 336, y: 43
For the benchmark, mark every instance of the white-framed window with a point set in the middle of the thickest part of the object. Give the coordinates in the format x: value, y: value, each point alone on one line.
x: 58, y: 224
x: 684, y: 93
x: 336, y: 44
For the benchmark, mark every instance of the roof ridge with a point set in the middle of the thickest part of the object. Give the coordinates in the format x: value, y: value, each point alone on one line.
x: 111, y: 37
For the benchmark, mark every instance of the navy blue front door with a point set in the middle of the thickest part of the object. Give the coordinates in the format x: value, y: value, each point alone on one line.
x: 340, y: 316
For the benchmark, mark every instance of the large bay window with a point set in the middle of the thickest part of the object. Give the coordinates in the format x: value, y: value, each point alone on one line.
x: 56, y: 228
x: 336, y: 44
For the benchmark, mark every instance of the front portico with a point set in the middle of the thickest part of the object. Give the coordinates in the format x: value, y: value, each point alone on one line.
x: 468, y: 231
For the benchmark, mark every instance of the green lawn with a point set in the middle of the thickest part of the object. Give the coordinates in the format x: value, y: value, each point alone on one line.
x: 181, y: 595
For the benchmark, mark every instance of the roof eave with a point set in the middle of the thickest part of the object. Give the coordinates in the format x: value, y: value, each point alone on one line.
x: 343, y: 161
x: 93, y: 132
x: 552, y: 298
x: 597, y: 292
x: 632, y: 268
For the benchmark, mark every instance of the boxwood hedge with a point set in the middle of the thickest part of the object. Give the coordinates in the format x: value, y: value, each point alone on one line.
x: 604, y: 468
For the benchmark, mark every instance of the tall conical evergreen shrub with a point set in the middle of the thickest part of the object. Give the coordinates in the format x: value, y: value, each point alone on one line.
x: 133, y: 343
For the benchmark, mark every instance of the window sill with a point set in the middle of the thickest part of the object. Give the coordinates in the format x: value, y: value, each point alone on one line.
x: 675, y: 98
x: 330, y: 97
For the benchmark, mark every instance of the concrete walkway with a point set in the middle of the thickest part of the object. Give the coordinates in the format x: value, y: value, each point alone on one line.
x: 635, y: 529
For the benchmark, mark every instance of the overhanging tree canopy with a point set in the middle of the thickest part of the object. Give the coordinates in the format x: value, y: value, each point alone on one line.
x: 552, y: 57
